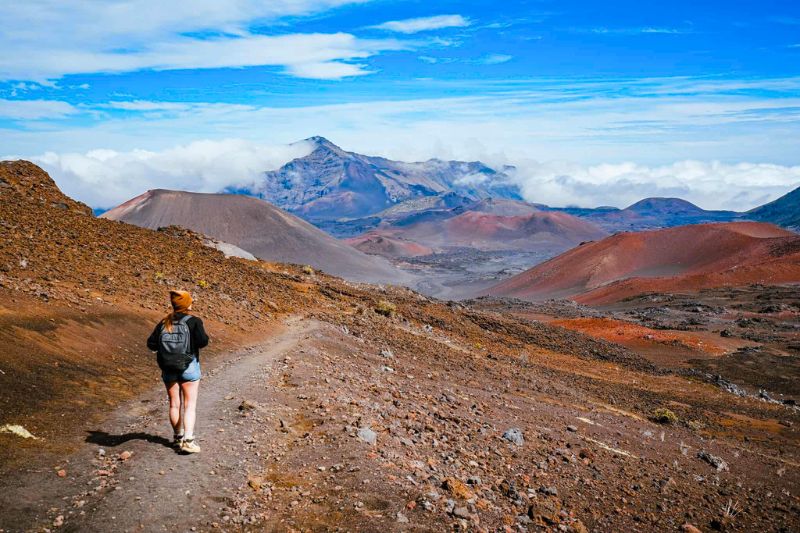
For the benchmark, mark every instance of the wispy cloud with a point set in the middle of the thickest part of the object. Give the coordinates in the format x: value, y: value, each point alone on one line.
x: 35, y: 109
x: 80, y: 37
x: 490, y: 59
x: 495, y: 59
x: 635, y: 31
x: 417, y: 25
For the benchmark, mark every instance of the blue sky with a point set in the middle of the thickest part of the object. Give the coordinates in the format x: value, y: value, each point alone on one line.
x: 595, y: 103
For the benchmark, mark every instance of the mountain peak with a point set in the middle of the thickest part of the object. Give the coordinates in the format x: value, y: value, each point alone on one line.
x: 318, y: 140
x: 663, y: 205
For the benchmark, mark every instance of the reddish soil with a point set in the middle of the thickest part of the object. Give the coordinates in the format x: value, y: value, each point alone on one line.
x: 685, y: 258
x: 438, y: 384
x: 488, y: 231
x: 683, y: 345
x: 377, y: 244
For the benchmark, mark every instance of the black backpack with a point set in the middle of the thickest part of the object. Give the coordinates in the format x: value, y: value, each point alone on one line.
x: 175, y: 347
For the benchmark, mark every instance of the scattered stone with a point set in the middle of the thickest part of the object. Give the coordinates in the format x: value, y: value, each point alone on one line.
x: 713, y: 460
x: 255, y: 482
x: 514, y: 436
x: 17, y: 430
x: 124, y: 456
x: 387, y: 354
x: 458, y: 488
x: 61, y: 473
x: 401, y: 518
x: 367, y: 435
x: 247, y: 405
x: 689, y: 528
x: 549, y: 491
x: 461, y: 512
x: 544, y: 512
x: 572, y: 429
x: 59, y: 521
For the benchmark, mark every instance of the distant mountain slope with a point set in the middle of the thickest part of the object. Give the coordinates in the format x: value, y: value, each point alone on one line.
x: 784, y: 211
x: 488, y: 231
x: 331, y: 183
x: 651, y: 213
x: 683, y: 258
x: 255, y: 226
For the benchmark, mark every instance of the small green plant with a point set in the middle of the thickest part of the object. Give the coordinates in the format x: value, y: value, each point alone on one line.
x: 385, y: 308
x: 159, y: 276
x: 308, y: 270
x: 664, y: 416
x: 203, y: 284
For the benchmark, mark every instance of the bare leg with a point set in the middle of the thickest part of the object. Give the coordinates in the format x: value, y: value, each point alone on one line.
x: 189, y: 389
x: 174, y: 393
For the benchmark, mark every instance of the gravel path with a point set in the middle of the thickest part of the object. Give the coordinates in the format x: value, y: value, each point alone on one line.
x: 154, y: 488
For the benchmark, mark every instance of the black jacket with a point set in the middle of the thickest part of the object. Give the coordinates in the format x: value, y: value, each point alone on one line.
x: 198, y: 339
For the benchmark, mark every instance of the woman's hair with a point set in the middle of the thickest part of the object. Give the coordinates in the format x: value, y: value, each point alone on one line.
x: 168, y: 320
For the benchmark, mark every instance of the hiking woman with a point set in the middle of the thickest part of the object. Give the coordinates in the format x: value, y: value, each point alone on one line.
x: 177, y: 339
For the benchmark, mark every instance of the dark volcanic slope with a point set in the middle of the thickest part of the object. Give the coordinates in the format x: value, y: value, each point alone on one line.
x: 785, y: 211
x: 332, y: 183
x: 684, y: 258
x: 256, y: 226
x: 651, y: 213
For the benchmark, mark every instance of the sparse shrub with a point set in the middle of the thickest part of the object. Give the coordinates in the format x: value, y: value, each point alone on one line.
x: 696, y: 425
x: 159, y: 276
x: 385, y: 308
x: 664, y: 416
x: 203, y: 284
x: 308, y: 269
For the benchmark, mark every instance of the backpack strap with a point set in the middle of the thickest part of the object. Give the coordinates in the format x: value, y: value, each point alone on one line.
x: 185, y: 319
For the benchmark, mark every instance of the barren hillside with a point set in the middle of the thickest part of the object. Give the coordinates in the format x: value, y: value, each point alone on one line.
x: 330, y: 405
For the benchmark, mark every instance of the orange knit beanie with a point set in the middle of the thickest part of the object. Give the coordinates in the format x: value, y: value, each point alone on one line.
x: 181, y: 300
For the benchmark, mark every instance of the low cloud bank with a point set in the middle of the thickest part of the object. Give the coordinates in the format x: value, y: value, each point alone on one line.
x: 709, y: 184
x: 105, y: 178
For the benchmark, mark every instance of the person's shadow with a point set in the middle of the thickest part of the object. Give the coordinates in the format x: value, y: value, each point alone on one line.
x: 104, y: 438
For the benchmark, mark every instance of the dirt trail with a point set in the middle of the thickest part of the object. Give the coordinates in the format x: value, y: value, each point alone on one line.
x: 157, y: 489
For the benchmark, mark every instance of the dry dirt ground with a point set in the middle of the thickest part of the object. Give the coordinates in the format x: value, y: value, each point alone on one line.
x: 285, y: 447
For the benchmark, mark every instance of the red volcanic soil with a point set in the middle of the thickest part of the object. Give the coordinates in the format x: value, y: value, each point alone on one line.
x: 663, y: 347
x: 685, y: 258
x: 376, y: 244
x: 487, y: 231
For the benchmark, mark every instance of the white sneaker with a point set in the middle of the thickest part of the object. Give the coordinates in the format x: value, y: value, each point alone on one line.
x: 189, y: 446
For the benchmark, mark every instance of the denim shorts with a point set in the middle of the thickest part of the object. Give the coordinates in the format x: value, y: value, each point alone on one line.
x: 192, y: 373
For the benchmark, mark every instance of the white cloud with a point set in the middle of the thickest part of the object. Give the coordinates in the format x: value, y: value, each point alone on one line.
x: 105, y: 178
x: 495, y: 59
x: 634, y: 31
x: 417, y: 25
x: 709, y: 184
x: 45, y: 39
x: 35, y: 109
x: 652, y: 122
